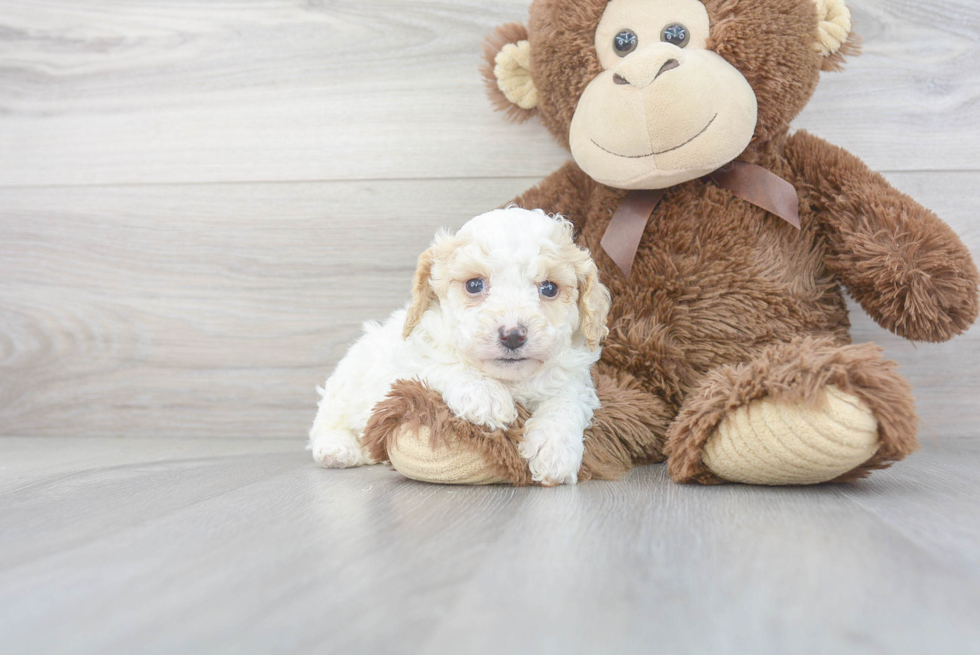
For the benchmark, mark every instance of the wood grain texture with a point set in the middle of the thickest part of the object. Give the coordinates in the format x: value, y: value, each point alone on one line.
x: 202, y: 310
x: 106, y: 92
x: 172, y: 547
x: 215, y: 310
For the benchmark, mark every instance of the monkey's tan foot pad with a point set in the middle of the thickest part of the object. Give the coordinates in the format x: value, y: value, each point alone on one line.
x: 412, y: 454
x: 772, y: 442
x: 414, y: 430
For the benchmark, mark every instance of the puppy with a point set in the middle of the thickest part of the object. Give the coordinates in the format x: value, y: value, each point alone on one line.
x: 508, y: 310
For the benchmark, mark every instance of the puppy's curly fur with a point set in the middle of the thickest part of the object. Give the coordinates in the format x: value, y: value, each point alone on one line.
x: 507, y: 311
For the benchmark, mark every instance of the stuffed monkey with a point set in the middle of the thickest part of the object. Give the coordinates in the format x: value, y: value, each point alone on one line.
x: 726, y: 242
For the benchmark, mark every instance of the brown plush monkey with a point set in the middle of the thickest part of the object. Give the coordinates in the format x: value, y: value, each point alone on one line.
x: 728, y: 354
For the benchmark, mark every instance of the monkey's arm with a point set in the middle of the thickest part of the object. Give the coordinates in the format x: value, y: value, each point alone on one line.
x: 565, y: 192
x: 905, y: 267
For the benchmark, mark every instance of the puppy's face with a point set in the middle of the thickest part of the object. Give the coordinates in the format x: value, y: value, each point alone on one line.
x: 512, y: 290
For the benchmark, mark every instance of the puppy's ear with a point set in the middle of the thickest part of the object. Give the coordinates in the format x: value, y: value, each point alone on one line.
x: 593, y: 303
x: 422, y: 293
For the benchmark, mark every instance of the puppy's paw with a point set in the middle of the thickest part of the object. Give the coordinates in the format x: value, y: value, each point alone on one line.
x: 336, y: 449
x: 552, y: 457
x: 482, y: 403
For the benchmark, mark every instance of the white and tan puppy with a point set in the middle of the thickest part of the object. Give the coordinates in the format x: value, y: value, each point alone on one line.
x: 508, y: 310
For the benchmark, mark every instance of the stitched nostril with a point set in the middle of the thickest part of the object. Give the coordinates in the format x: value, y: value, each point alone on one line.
x: 669, y: 65
x: 619, y: 79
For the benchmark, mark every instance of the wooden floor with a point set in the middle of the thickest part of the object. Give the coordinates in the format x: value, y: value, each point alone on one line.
x: 200, y: 202
x: 245, y: 546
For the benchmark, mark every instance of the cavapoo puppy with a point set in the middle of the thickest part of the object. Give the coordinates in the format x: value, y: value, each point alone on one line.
x: 507, y: 310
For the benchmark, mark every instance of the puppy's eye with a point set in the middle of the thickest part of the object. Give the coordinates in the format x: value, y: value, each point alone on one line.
x: 548, y: 289
x: 676, y: 34
x: 625, y: 42
x: 475, y: 286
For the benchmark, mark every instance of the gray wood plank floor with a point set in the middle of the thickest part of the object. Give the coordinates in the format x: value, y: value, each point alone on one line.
x: 245, y: 546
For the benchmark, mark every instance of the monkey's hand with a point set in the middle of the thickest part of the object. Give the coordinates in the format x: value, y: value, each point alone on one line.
x: 905, y: 267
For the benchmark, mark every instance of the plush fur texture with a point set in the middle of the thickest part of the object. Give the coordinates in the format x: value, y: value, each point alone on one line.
x: 508, y: 310
x: 906, y: 267
x: 770, y: 42
x: 796, y: 372
x: 726, y: 303
x: 410, y: 405
x: 621, y: 435
x: 662, y: 114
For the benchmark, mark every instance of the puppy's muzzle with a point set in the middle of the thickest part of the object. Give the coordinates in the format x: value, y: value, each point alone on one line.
x: 513, y: 338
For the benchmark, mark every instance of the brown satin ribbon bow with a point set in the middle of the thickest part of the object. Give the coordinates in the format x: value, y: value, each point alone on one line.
x: 750, y: 182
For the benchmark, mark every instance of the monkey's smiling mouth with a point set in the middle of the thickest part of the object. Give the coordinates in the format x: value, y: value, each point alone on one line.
x: 662, y: 152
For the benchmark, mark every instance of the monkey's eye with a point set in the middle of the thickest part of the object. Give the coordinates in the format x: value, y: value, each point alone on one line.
x: 548, y: 289
x: 475, y: 286
x: 676, y: 34
x: 625, y: 42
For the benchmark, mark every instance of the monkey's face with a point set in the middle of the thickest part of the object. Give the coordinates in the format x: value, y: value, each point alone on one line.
x: 665, y: 109
x: 651, y: 93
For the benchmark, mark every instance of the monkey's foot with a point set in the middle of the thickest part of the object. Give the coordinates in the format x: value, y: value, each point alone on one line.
x: 802, y: 412
x: 772, y: 442
x: 414, y: 430
x: 413, y: 454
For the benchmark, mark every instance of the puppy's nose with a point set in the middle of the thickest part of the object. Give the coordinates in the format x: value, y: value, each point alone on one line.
x: 513, y: 337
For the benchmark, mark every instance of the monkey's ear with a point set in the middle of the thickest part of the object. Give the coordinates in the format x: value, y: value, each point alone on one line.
x: 507, y: 72
x: 835, y: 40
